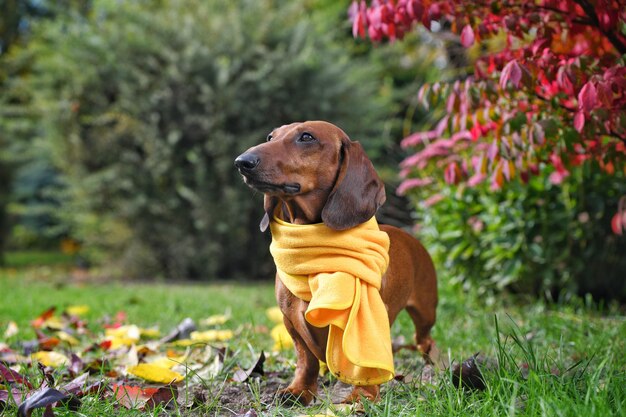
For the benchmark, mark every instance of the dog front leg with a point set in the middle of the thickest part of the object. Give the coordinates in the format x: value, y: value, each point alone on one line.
x: 304, y: 385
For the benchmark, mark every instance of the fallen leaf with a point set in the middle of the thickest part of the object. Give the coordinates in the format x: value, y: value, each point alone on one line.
x: 274, y: 314
x: 131, y: 396
x: 255, y: 370
x: 167, y: 362
x: 10, y: 376
x: 53, y: 323
x: 41, y: 398
x: 39, y: 321
x: 149, y: 333
x: 212, y: 336
x: 214, y: 320
x: 46, y: 342
x: 182, y: 331
x: 282, y: 338
x: 154, y: 373
x: 15, y: 394
x: 10, y: 357
x: 77, y: 310
x: 51, y: 359
x: 76, y: 364
x: 75, y: 385
x: 468, y: 375
x: 11, y: 330
x: 123, y: 335
x: 67, y: 338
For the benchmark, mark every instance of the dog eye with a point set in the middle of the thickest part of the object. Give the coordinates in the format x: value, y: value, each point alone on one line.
x: 268, y: 138
x: 306, y: 137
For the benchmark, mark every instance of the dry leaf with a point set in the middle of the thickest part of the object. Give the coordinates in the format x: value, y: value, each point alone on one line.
x: 42, y: 398
x: 150, y: 333
x: 212, y: 336
x: 77, y: 310
x: 255, y: 370
x: 11, y: 330
x: 167, y: 362
x: 274, y: 314
x: 468, y: 375
x: 39, y: 321
x: 282, y: 338
x: 154, y: 373
x: 137, y: 397
x: 215, y: 320
x: 68, y: 338
x: 180, y: 332
x: 51, y: 359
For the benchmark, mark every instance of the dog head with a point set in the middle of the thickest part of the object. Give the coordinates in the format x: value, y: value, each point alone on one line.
x: 317, y: 166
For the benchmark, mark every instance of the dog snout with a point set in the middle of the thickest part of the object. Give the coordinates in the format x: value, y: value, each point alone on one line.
x: 247, y: 162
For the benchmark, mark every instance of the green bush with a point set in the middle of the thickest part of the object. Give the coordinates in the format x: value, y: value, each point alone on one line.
x: 145, y: 105
x: 533, y: 239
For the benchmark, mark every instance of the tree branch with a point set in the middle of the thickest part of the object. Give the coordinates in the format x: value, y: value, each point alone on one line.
x: 612, y: 37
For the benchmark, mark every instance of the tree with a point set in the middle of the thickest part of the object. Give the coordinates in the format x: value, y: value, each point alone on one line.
x: 143, y: 107
x: 548, y: 91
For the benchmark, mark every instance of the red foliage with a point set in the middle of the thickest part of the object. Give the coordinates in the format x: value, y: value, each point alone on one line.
x: 553, y: 96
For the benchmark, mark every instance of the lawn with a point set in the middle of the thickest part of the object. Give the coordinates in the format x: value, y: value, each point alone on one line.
x: 536, y: 359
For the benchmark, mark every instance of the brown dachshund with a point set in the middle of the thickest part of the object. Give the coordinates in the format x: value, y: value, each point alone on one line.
x: 312, y: 172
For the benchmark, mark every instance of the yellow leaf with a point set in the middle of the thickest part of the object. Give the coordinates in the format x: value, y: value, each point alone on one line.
x: 323, y: 368
x: 54, y: 323
x: 274, y: 314
x: 151, y: 333
x: 282, y: 339
x: 77, y: 310
x: 154, y: 373
x: 184, y: 342
x: 212, y: 336
x: 51, y: 359
x: 68, y: 338
x: 129, y: 331
x: 168, y: 363
x: 214, y: 320
x: 123, y: 336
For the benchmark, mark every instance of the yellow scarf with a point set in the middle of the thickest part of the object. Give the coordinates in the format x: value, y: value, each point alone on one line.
x: 339, y: 274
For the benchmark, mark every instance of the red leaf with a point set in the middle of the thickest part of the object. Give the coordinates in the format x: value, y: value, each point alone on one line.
x: 39, y: 321
x: 605, y: 95
x: 131, y: 396
x: 579, y: 121
x: 467, y: 36
x: 617, y: 224
x: 511, y: 72
x: 476, y: 179
x: 358, y: 25
x: 451, y: 174
x: 413, y: 183
x: 10, y: 376
x: 587, y: 97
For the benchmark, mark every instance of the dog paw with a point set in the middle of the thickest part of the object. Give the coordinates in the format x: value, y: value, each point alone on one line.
x: 293, y: 397
x: 369, y: 392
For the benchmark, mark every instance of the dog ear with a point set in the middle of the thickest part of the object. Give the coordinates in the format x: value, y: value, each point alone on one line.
x: 269, y: 205
x: 358, y: 191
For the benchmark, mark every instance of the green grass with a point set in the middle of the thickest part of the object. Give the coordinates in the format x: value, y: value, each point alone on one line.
x: 20, y: 259
x: 573, y: 355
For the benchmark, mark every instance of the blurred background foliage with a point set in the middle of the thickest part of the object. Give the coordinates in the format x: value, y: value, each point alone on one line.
x: 119, y: 122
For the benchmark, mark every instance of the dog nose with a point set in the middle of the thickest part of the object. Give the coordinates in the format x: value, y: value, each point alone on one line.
x: 247, y: 162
